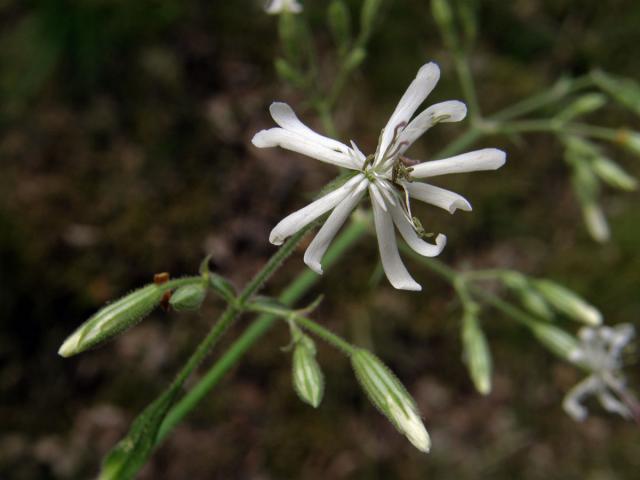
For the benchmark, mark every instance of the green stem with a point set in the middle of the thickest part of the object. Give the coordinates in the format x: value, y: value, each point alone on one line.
x: 536, y: 102
x: 468, y: 87
x: 301, y: 285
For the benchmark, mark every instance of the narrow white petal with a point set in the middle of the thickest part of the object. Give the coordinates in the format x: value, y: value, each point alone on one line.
x: 279, y: 137
x: 572, y: 402
x: 449, y: 111
x: 418, y: 90
x: 612, y: 404
x: 376, y: 196
x: 284, y: 116
x: 437, y: 196
x: 387, y: 191
x: 392, y: 264
x: 317, y: 248
x: 303, y: 217
x: 485, y: 159
x: 411, y: 237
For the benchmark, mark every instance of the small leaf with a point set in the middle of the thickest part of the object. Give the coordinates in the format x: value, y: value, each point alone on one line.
x: 308, y: 381
x: 222, y: 287
x: 476, y: 351
x: 126, y: 459
x: 390, y: 397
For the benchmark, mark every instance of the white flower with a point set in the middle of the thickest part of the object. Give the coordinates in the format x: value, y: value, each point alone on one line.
x: 274, y: 7
x: 600, y: 353
x: 386, y: 175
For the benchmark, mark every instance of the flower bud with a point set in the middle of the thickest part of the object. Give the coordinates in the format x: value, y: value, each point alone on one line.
x: 189, y: 297
x: 390, y: 397
x: 595, y: 221
x: 340, y: 23
x: 584, y: 105
x: 624, y: 91
x: 567, y: 302
x: 555, y: 339
x: 476, y: 351
x: 308, y: 381
x: 610, y: 172
x: 113, y: 319
x: 629, y: 140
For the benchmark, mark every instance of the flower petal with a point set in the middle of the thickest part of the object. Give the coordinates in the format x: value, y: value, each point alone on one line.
x: 284, y: 116
x: 418, y: 90
x: 485, y: 159
x: 279, y: 137
x: 392, y: 264
x: 572, y: 403
x: 318, y: 246
x: 437, y: 196
x: 376, y: 196
x: 411, y: 237
x: 449, y: 111
x: 303, y: 217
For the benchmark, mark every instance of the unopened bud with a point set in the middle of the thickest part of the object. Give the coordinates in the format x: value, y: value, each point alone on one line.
x: 555, y: 339
x: 390, y: 397
x: 113, y: 319
x: 613, y: 174
x: 189, y: 297
x: 476, y: 352
x: 568, y: 302
x: 596, y: 221
x: 308, y: 381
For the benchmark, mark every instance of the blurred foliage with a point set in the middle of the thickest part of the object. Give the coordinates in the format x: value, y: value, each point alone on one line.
x: 124, y: 150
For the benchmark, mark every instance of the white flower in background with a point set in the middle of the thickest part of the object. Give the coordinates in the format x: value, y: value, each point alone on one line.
x: 387, y: 175
x: 600, y: 353
x: 274, y: 7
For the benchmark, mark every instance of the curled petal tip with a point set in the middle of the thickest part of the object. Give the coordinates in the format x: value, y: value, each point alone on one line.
x: 459, y: 204
x: 315, y: 266
x: 261, y: 139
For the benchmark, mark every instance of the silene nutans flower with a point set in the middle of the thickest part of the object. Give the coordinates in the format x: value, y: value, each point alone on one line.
x: 600, y: 353
x: 388, y: 176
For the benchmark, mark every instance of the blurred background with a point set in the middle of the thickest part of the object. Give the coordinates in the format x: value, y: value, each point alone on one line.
x: 125, y: 150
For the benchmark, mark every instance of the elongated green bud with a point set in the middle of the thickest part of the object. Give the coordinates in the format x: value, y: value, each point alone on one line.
x: 625, y: 91
x: 528, y: 296
x: 113, y: 319
x: 390, y: 397
x: 596, y: 222
x: 582, y: 106
x: 555, y: 339
x: 354, y: 60
x: 308, y: 381
x: 340, y: 23
x: 629, y: 140
x: 476, y: 352
x: 189, y: 297
x: 568, y: 302
x: 368, y: 16
x: 613, y: 174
